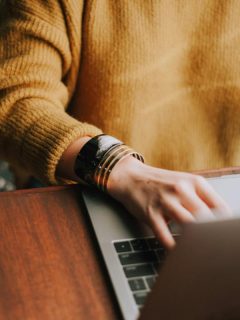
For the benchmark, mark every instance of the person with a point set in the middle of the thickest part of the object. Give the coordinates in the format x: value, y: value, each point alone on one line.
x: 160, y: 76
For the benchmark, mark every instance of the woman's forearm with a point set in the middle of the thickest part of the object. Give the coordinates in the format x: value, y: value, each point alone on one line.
x: 154, y: 195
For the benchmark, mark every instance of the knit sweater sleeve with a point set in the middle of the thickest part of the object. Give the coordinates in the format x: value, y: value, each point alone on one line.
x: 35, y: 58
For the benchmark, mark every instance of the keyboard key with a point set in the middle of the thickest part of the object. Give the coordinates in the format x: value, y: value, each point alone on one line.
x: 139, y: 244
x: 137, y: 284
x: 154, y: 243
x: 150, y: 281
x: 140, y: 297
x: 137, y: 257
x: 139, y: 270
x: 122, y: 246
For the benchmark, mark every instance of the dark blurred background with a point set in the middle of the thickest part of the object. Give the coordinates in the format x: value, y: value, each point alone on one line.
x: 6, y: 178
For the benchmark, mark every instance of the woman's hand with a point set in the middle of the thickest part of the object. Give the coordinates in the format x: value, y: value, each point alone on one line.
x: 155, y: 196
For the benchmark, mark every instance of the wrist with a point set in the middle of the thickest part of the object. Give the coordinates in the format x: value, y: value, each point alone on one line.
x: 126, y: 171
x: 98, y: 157
x: 65, y: 167
x: 102, y: 161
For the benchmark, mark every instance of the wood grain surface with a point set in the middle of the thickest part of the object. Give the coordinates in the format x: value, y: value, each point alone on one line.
x: 49, y: 265
x: 50, y: 268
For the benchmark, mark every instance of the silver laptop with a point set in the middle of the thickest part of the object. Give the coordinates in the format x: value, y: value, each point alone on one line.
x: 202, y: 284
x: 134, y: 258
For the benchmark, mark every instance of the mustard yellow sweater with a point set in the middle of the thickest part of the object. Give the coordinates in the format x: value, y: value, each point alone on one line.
x: 163, y: 76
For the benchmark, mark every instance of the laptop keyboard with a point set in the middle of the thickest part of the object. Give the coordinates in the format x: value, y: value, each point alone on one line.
x: 141, y: 260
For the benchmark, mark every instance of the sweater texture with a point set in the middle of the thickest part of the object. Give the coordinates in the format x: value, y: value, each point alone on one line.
x: 160, y: 75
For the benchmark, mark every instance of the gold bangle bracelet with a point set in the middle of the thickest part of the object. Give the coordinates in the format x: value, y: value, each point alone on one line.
x: 104, y: 169
x: 104, y: 163
x: 113, y: 161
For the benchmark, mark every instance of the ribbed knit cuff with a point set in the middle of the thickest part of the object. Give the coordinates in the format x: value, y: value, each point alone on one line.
x: 39, y: 134
x: 46, y: 141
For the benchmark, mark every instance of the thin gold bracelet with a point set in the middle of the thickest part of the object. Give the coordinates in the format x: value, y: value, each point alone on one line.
x: 107, y: 164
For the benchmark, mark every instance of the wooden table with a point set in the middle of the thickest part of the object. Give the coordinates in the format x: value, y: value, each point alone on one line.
x: 50, y: 268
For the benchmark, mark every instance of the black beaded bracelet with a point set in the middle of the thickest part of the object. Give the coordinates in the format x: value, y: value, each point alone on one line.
x: 97, y: 158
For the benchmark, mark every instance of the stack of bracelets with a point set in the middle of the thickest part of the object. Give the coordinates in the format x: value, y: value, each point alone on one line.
x: 98, y: 157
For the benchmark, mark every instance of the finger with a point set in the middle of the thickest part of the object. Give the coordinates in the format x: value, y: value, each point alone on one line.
x: 212, y: 198
x: 191, y: 201
x: 160, y: 228
x: 177, y: 211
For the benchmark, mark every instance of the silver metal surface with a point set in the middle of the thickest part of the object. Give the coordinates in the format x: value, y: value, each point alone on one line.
x: 229, y: 189
x: 112, y: 222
